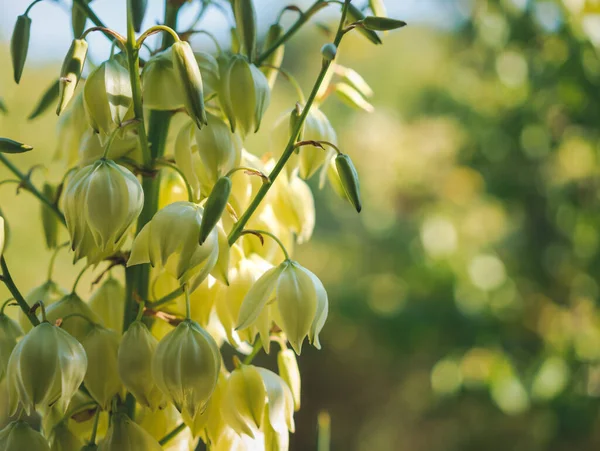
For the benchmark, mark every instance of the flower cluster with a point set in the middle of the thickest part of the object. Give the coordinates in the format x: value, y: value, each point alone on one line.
x: 204, y: 230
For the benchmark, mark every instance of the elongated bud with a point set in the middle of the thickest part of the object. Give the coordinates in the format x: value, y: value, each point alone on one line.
x: 215, y: 206
x: 382, y: 23
x: 49, y: 219
x: 352, y: 97
x: 18, y: 435
x: 108, y: 302
x: 9, y: 333
x: 9, y: 146
x: 126, y: 435
x: 138, y: 11
x: 187, y: 68
x: 245, y: 21
x: 19, y: 44
x: 378, y: 8
x: 70, y: 72
x: 349, y: 178
x: 276, y: 57
x: 329, y: 51
x: 78, y: 19
x: 135, y: 365
x: 289, y: 372
x: 48, y: 98
x: 356, y: 15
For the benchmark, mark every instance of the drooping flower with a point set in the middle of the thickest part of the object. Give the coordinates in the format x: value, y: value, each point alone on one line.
x: 18, y: 435
x: 125, y: 435
x: 108, y: 302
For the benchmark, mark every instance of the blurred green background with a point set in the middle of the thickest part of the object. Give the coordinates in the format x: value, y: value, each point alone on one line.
x: 464, y: 298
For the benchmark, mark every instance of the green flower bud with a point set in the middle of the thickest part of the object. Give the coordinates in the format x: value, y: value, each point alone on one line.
x: 135, y: 365
x: 186, y: 367
x: 382, y: 23
x: 138, y: 11
x: 187, y: 69
x: 276, y: 58
x: 184, y: 258
x: 349, y: 178
x: 48, y: 98
x: 302, y: 304
x: 107, y: 96
x: 243, y: 92
x: 125, y: 435
x: 215, y: 206
x: 329, y: 51
x: 289, y: 372
x: 78, y: 325
x: 102, y: 380
x: 9, y: 333
x: 356, y: 15
x: 78, y: 19
x: 352, y: 97
x: 101, y: 203
x: 70, y: 73
x: 49, y: 220
x: 18, y: 436
x: 245, y: 21
x: 9, y: 146
x: 71, y: 127
x: 162, y: 88
x: 19, y: 44
x: 46, y: 367
x: 249, y: 391
x: 108, y: 303
x: 63, y: 439
x: 48, y: 292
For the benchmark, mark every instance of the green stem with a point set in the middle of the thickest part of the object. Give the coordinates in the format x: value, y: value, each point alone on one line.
x: 270, y: 235
x: 79, y: 278
x: 53, y: 258
x: 26, y: 183
x: 157, y: 29
x: 31, y: 6
x: 289, y: 150
x: 255, y: 350
x: 95, y: 427
x: 5, y: 304
x: 10, y: 284
x: 165, y: 299
x: 188, y: 304
x: 169, y: 165
x: 171, y: 435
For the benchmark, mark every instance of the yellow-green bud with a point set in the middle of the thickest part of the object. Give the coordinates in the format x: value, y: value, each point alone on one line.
x: 162, y: 88
x: 243, y: 92
x: 19, y: 436
x: 101, y: 203
x: 245, y: 21
x: 48, y: 98
x: 49, y: 220
x: 184, y: 258
x: 102, y: 380
x: 78, y: 19
x: 349, y: 178
x: 108, y: 303
x: 82, y: 320
x: 289, y: 372
x: 19, y: 44
x: 329, y: 51
x: 63, y: 439
x: 10, y: 146
x: 187, y: 69
x: 186, y: 367
x: 382, y: 23
x: 276, y: 57
x: 107, y: 96
x: 48, y: 292
x: 215, y: 206
x: 302, y: 304
x: 135, y: 365
x: 70, y: 73
x: 9, y: 333
x: 46, y: 367
x: 356, y: 15
x: 125, y: 435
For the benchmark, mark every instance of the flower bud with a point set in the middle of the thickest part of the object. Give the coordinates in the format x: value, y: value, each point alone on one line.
x: 108, y: 303
x: 356, y: 15
x: 107, y: 96
x: 162, y: 88
x: 244, y: 93
x: 215, y: 206
x: 187, y: 69
x: 382, y: 23
x: 102, y: 201
x: 301, y: 299
x: 276, y: 57
x: 48, y: 293
x: 249, y: 391
x: 46, y: 367
x: 349, y: 178
x: 18, y: 436
x: 184, y: 258
x: 49, y: 220
x: 78, y: 19
x: 329, y: 51
x: 245, y: 22
x: 9, y: 333
x: 138, y: 11
x: 125, y: 435
x: 102, y: 380
x: 289, y: 372
x: 19, y: 44
x: 70, y: 72
x: 186, y: 367
x: 82, y: 319
x: 63, y: 439
x: 10, y: 146
x: 135, y: 365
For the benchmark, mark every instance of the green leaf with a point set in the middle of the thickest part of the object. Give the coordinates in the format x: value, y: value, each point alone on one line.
x: 48, y: 98
x: 382, y: 23
x: 10, y: 146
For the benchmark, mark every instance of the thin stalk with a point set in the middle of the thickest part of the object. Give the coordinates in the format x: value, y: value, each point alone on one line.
x: 6, y: 304
x: 26, y: 183
x: 188, y: 304
x: 165, y: 299
x: 171, y: 435
x: 79, y: 278
x: 289, y: 150
x: 95, y: 427
x: 31, y: 6
x: 10, y: 284
x: 255, y: 350
x: 173, y: 167
x: 53, y: 258
x: 157, y: 29
x: 272, y: 236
